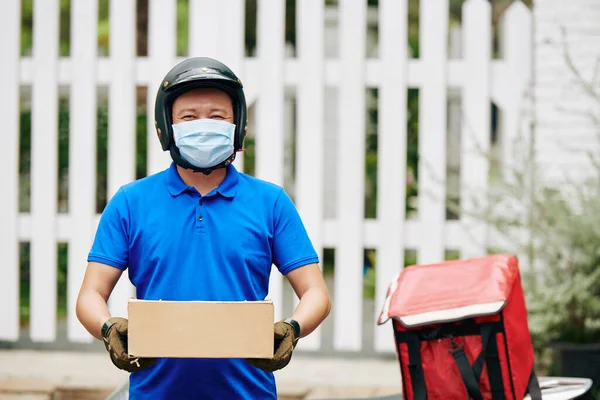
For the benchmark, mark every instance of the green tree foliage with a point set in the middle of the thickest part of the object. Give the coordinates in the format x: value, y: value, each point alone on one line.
x: 554, y: 224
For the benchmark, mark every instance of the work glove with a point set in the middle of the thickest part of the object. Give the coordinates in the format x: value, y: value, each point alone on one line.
x: 114, y: 337
x: 285, y: 342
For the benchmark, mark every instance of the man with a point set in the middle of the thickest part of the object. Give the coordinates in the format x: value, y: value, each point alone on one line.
x: 201, y: 230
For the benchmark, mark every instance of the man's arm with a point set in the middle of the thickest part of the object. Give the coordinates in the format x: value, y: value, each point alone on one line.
x: 315, y: 303
x: 91, y: 308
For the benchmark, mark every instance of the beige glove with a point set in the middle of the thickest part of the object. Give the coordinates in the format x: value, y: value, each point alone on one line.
x: 114, y: 337
x: 285, y: 342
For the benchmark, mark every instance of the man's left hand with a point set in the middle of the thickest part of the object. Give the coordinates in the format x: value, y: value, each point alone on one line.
x: 285, y: 341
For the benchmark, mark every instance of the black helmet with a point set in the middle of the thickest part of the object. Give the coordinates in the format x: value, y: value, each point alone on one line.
x: 190, y: 74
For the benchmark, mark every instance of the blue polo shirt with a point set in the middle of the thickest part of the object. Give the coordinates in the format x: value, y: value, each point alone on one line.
x: 179, y: 245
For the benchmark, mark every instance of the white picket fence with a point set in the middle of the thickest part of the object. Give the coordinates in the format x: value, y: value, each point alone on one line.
x: 216, y: 29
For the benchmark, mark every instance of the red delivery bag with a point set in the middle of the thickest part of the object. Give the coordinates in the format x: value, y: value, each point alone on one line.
x: 461, y: 330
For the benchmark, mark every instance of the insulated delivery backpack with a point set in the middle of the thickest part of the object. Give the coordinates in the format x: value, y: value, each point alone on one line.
x: 461, y: 331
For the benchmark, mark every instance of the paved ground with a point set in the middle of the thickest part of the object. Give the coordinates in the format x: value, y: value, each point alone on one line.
x: 33, y: 374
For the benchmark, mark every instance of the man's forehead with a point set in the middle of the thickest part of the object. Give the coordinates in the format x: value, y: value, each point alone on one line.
x: 204, y: 91
x: 204, y: 94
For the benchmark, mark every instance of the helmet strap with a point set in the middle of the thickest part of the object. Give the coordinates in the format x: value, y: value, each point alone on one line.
x: 176, y: 156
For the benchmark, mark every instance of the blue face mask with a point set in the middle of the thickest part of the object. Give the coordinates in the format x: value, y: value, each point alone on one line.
x: 204, y: 143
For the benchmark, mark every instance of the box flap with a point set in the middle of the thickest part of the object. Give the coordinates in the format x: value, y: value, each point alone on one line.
x: 450, y: 291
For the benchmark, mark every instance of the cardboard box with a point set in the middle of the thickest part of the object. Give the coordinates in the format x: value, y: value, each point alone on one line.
x: 201, y: 329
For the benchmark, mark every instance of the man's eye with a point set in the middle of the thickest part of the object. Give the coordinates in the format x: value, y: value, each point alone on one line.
x: 216, y: 117
x: 188, y: 117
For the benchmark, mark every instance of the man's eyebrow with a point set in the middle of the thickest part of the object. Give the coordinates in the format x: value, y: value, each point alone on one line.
x: 184, y: 110
x: 194, y: 110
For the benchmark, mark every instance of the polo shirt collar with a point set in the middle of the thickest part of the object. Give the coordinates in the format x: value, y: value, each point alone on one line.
x: 227, y: 188
x: 175, y: 184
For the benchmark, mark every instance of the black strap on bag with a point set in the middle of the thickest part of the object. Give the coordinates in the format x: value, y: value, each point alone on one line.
x: 494, y: 370
x: 489, y: 356
x: 417, y: 377
x: 470, y: 374
x: 486, y: 334
x: 533, y: 387
x: 416, y: 370
x: 466, y: 371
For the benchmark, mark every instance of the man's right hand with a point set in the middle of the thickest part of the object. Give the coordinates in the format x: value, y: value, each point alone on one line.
x: 114, y: 337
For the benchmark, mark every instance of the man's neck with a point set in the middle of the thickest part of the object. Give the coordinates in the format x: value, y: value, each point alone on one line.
x: 203, y: 183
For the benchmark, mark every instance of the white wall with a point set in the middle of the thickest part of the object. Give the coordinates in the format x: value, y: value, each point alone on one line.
x: 563, y: 126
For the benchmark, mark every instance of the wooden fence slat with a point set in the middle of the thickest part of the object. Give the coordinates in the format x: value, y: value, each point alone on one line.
x: 162, y: 39
x: 475, y: 135
x: 204, y: 28
x: 517, y: 52
x: 9, y: 164
x: 217, y: 31
x: 122, y: 92
x: 433, y: 26
x: 82, y: 150
x: 516, y: 135
x: 122, y: 121
x: 350, y: 181
x: 231, y: 36
x: 310, y: 142
x: 269, y: 110
x: 391, y: 157
x: 44, y: 166
x: 231, y: 49
x: 269, y: 107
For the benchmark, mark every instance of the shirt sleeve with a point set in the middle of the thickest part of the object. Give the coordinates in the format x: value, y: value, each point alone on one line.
x: 111, y: 242
x: 292, y: 247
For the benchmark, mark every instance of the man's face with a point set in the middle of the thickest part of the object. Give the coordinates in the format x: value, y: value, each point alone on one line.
x: 202, y: 103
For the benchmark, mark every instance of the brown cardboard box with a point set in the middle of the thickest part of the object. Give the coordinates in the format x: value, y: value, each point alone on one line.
x: 201, y: 329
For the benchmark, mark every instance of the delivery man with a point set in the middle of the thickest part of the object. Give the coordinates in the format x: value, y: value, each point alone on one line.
x: 201, y: 230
